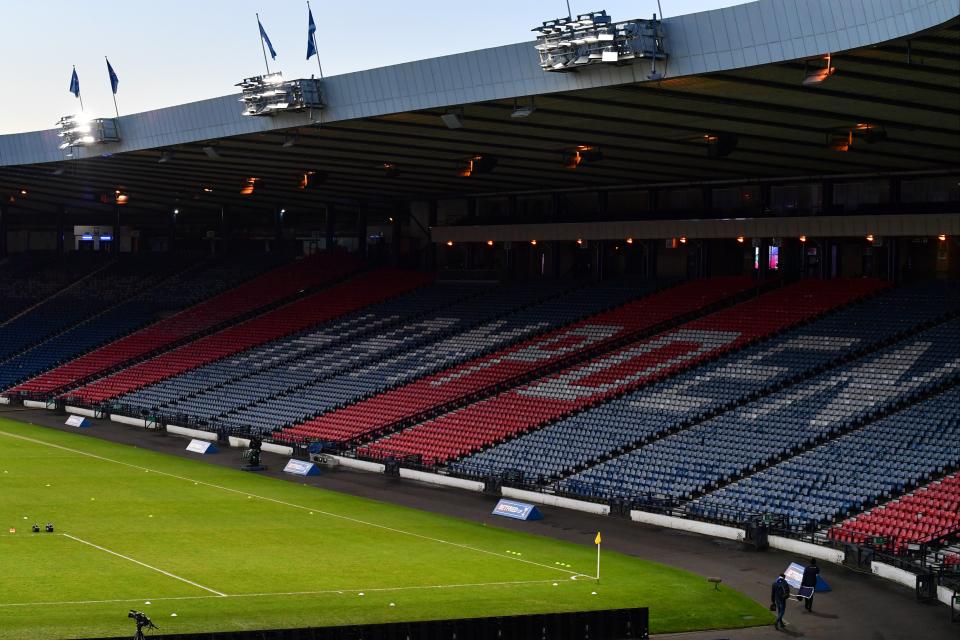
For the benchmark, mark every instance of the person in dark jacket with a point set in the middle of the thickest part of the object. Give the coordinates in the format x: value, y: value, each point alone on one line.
x: 779, y: 593
x: 810, y: 574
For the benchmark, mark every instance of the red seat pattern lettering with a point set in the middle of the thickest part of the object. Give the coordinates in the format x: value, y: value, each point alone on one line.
x: 322, y: 306
x: 513, y: 412
x: 482, y: 373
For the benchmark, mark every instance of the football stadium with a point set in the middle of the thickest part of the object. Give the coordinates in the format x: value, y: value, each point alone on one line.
x: 644, y: 327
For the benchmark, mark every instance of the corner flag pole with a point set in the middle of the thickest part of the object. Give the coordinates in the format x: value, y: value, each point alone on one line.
x: 597, y: 542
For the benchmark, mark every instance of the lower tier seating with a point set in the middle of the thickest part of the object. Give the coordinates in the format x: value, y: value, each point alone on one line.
x: 577, y: 388
x: 611, y: 428
x: 477, y: 374
x: 203, y: 394
x: 760, y: 433
x: 28, y: 279
x: 508, y: 315
x: 845, y: 475
x: 329, y: 303
x: 921, y: 517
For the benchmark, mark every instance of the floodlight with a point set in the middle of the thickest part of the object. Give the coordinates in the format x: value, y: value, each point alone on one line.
x: 567, y: 44
x: 82, y: 130
x: 269, y: 95
x: 813, y: 77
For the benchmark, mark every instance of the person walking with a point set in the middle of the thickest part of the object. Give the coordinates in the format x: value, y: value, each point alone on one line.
x: 809, y: 579
x: 779, y: 594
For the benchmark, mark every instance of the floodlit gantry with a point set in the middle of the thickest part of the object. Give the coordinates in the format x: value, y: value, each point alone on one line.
x: 269, y: 95
x: 567, y: 44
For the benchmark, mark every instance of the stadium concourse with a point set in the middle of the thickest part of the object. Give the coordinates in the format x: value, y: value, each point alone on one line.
x: 702, y: 273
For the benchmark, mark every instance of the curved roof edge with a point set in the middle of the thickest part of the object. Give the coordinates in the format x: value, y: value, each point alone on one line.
x: 763, y: 32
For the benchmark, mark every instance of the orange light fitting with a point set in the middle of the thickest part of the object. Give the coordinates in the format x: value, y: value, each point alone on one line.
x: 803, y: 238
x: 740, y: 239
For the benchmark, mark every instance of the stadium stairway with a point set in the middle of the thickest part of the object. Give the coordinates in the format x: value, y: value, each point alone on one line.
x: 715, y: 453
x: 598, y: 380
x: 611, y: 429
x: 241, y: 300
x: 478, y: 377
x: 500, y: 318
x: 339, y: 299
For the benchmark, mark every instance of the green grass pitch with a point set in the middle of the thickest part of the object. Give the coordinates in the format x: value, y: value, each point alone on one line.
x: 227, y: 550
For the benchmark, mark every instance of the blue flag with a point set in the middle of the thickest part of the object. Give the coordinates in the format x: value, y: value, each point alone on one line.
x: 311, y: 29
x: 114, y: 80
x: 75, y: 84
x: 266, y: 38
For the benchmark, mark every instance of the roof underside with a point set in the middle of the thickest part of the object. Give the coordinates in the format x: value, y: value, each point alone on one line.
x: 649, y: 133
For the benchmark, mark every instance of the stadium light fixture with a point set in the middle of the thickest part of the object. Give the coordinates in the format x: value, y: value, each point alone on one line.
x: 580, y: 241
x: 477, y: 164
x: 582, y: 155
x: 269, y: 95
x: 629, y: 240
x: 870, y: 237
x: 23, y: 192
x: 840, y: 140
x: 942, y: 237
x: 449, y: 243
x: 740, y: 239
x: 121, y: 198
x: 489, y: 243
x: 720, y: 145
x: 523, y: 109
x: 533, y: 242
x: 81, y: 130
x: 683, y: 239
x: 813, y: 77
x: 803, y: 238
x: 453, y: 119
x: 571, y: 44
x: 390, y: 169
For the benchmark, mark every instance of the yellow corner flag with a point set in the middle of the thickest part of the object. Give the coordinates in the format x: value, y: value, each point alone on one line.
x: 597, y: 540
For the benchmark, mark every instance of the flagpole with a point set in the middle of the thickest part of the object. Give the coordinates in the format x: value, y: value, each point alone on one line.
x: 262, y: 46
x: 598, y: 562
x: 314, y: 36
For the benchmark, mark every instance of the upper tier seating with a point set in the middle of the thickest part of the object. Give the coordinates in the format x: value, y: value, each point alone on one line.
x: 472, y: 328
x: 576, y: 388
x: 209, y: 391
x: 620, y: 425
x: 269, y: 288
x: 740, y: 441
x: 847, y: 474
x: 28, y: 279
x: 920, y: 517
x: 124, y: 278
x: 305, y: 312
x: 436, y: 391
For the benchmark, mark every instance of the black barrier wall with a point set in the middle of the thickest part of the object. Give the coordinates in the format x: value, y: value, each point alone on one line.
x: 613, y: 624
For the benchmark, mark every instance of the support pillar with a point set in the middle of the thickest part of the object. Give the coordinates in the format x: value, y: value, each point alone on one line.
x: 115, y: 243
x: 331, y: 230
x: 224, y: 228
x: 172, y: 232
x: 362, y: 230
x: 4, y: 216
x: 61, y: 217
x: 431, y: 223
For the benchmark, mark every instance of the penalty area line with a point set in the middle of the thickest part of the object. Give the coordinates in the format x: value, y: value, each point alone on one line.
x: 287, y: 594
x: 577, y: 574
x: 144, y: 564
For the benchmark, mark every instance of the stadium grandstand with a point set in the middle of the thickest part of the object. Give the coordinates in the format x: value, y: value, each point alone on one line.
x: 657, y: 277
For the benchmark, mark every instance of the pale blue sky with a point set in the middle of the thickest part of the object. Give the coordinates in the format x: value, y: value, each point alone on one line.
x: 169, y: 52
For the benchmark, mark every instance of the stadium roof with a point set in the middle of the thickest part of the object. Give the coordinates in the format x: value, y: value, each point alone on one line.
x: 732, y: 71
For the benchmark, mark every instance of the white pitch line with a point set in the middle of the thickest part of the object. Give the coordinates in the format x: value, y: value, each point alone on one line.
x: 285, y: 593
x: 144, y: 564
x: 292, y: 505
